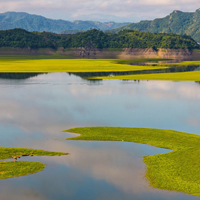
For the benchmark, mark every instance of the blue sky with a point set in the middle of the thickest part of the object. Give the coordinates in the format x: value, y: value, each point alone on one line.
x: 101, y: 10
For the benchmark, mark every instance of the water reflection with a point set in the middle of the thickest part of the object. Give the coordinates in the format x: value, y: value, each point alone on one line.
x: 18, y: 75
x: 35, y: 111
x: 86, y: 75
x: 111, y: 170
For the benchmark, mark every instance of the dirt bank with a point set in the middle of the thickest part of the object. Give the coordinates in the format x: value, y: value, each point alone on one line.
x: 126, y: 53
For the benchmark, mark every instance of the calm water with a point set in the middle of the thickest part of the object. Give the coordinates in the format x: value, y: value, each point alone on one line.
x: 35, y: 110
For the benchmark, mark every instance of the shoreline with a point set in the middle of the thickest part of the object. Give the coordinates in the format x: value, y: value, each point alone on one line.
x: 109, y: 53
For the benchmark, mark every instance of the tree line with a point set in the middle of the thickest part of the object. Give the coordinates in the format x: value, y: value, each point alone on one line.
x: 95, y: 39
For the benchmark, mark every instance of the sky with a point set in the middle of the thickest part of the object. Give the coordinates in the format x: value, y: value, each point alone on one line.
x: 100, y: 10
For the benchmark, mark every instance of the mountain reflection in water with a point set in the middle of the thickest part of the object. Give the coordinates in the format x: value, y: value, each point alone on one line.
x: 86, y: 75
x: 17, y: 75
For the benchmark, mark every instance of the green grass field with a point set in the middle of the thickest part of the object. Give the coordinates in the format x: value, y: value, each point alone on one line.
x: 9, y: 169
x: 47, y: 64
x: 178, y: 170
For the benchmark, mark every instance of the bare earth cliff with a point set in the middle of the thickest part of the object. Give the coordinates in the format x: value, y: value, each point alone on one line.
x: 126, y: 53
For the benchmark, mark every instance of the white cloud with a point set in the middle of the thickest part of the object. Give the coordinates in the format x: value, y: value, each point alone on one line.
x: 104, y: 5
x: 157, y: 2
x: 129, y: 10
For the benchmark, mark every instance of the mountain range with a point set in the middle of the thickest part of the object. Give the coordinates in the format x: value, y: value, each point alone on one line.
x: 11, y: 20
x: 177, y: 22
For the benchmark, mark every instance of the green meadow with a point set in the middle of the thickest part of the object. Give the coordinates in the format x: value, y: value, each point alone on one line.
x: 9, y: 169
x: 53, y: 64
x: 178, y: 170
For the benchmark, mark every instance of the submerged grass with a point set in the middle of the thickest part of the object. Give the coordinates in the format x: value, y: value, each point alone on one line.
x: 178, y: 170
x: 9, y: 169
x: 69, y: 65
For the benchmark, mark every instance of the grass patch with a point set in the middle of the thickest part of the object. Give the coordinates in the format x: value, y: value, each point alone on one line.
x: 178, y: 76
x: 175, y: 76
x: 178, y: 170
x: 13, y: 169
x: 68, y: 65
x: 186, y: 63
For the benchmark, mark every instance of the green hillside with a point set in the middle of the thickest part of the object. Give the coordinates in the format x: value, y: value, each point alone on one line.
x: 72, y: 31
x: 21, y: 38
x: 11, y: 20
x: 95, y: 39
x: 177, y: 22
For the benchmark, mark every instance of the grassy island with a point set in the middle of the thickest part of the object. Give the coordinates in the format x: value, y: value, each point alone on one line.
x: 178, y: 76
x: 178, y: 170
x: 170, y: 76
x: 9, y: 169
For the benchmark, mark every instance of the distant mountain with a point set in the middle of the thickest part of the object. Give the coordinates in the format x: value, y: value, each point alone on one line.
x: 11, y: 20
x: 72, y: 31
x: 177, y: 22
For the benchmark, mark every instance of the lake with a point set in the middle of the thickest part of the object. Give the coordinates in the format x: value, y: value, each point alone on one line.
x: 35, y: 108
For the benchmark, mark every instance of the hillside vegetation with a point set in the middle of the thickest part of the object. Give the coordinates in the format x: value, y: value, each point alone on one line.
x: 177, y: 22
x: 95, y: 39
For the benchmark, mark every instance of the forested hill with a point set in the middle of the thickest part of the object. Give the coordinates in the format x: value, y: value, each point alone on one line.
x: 95, y: 39
x: 177, y: 22
x: 11, y: 20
